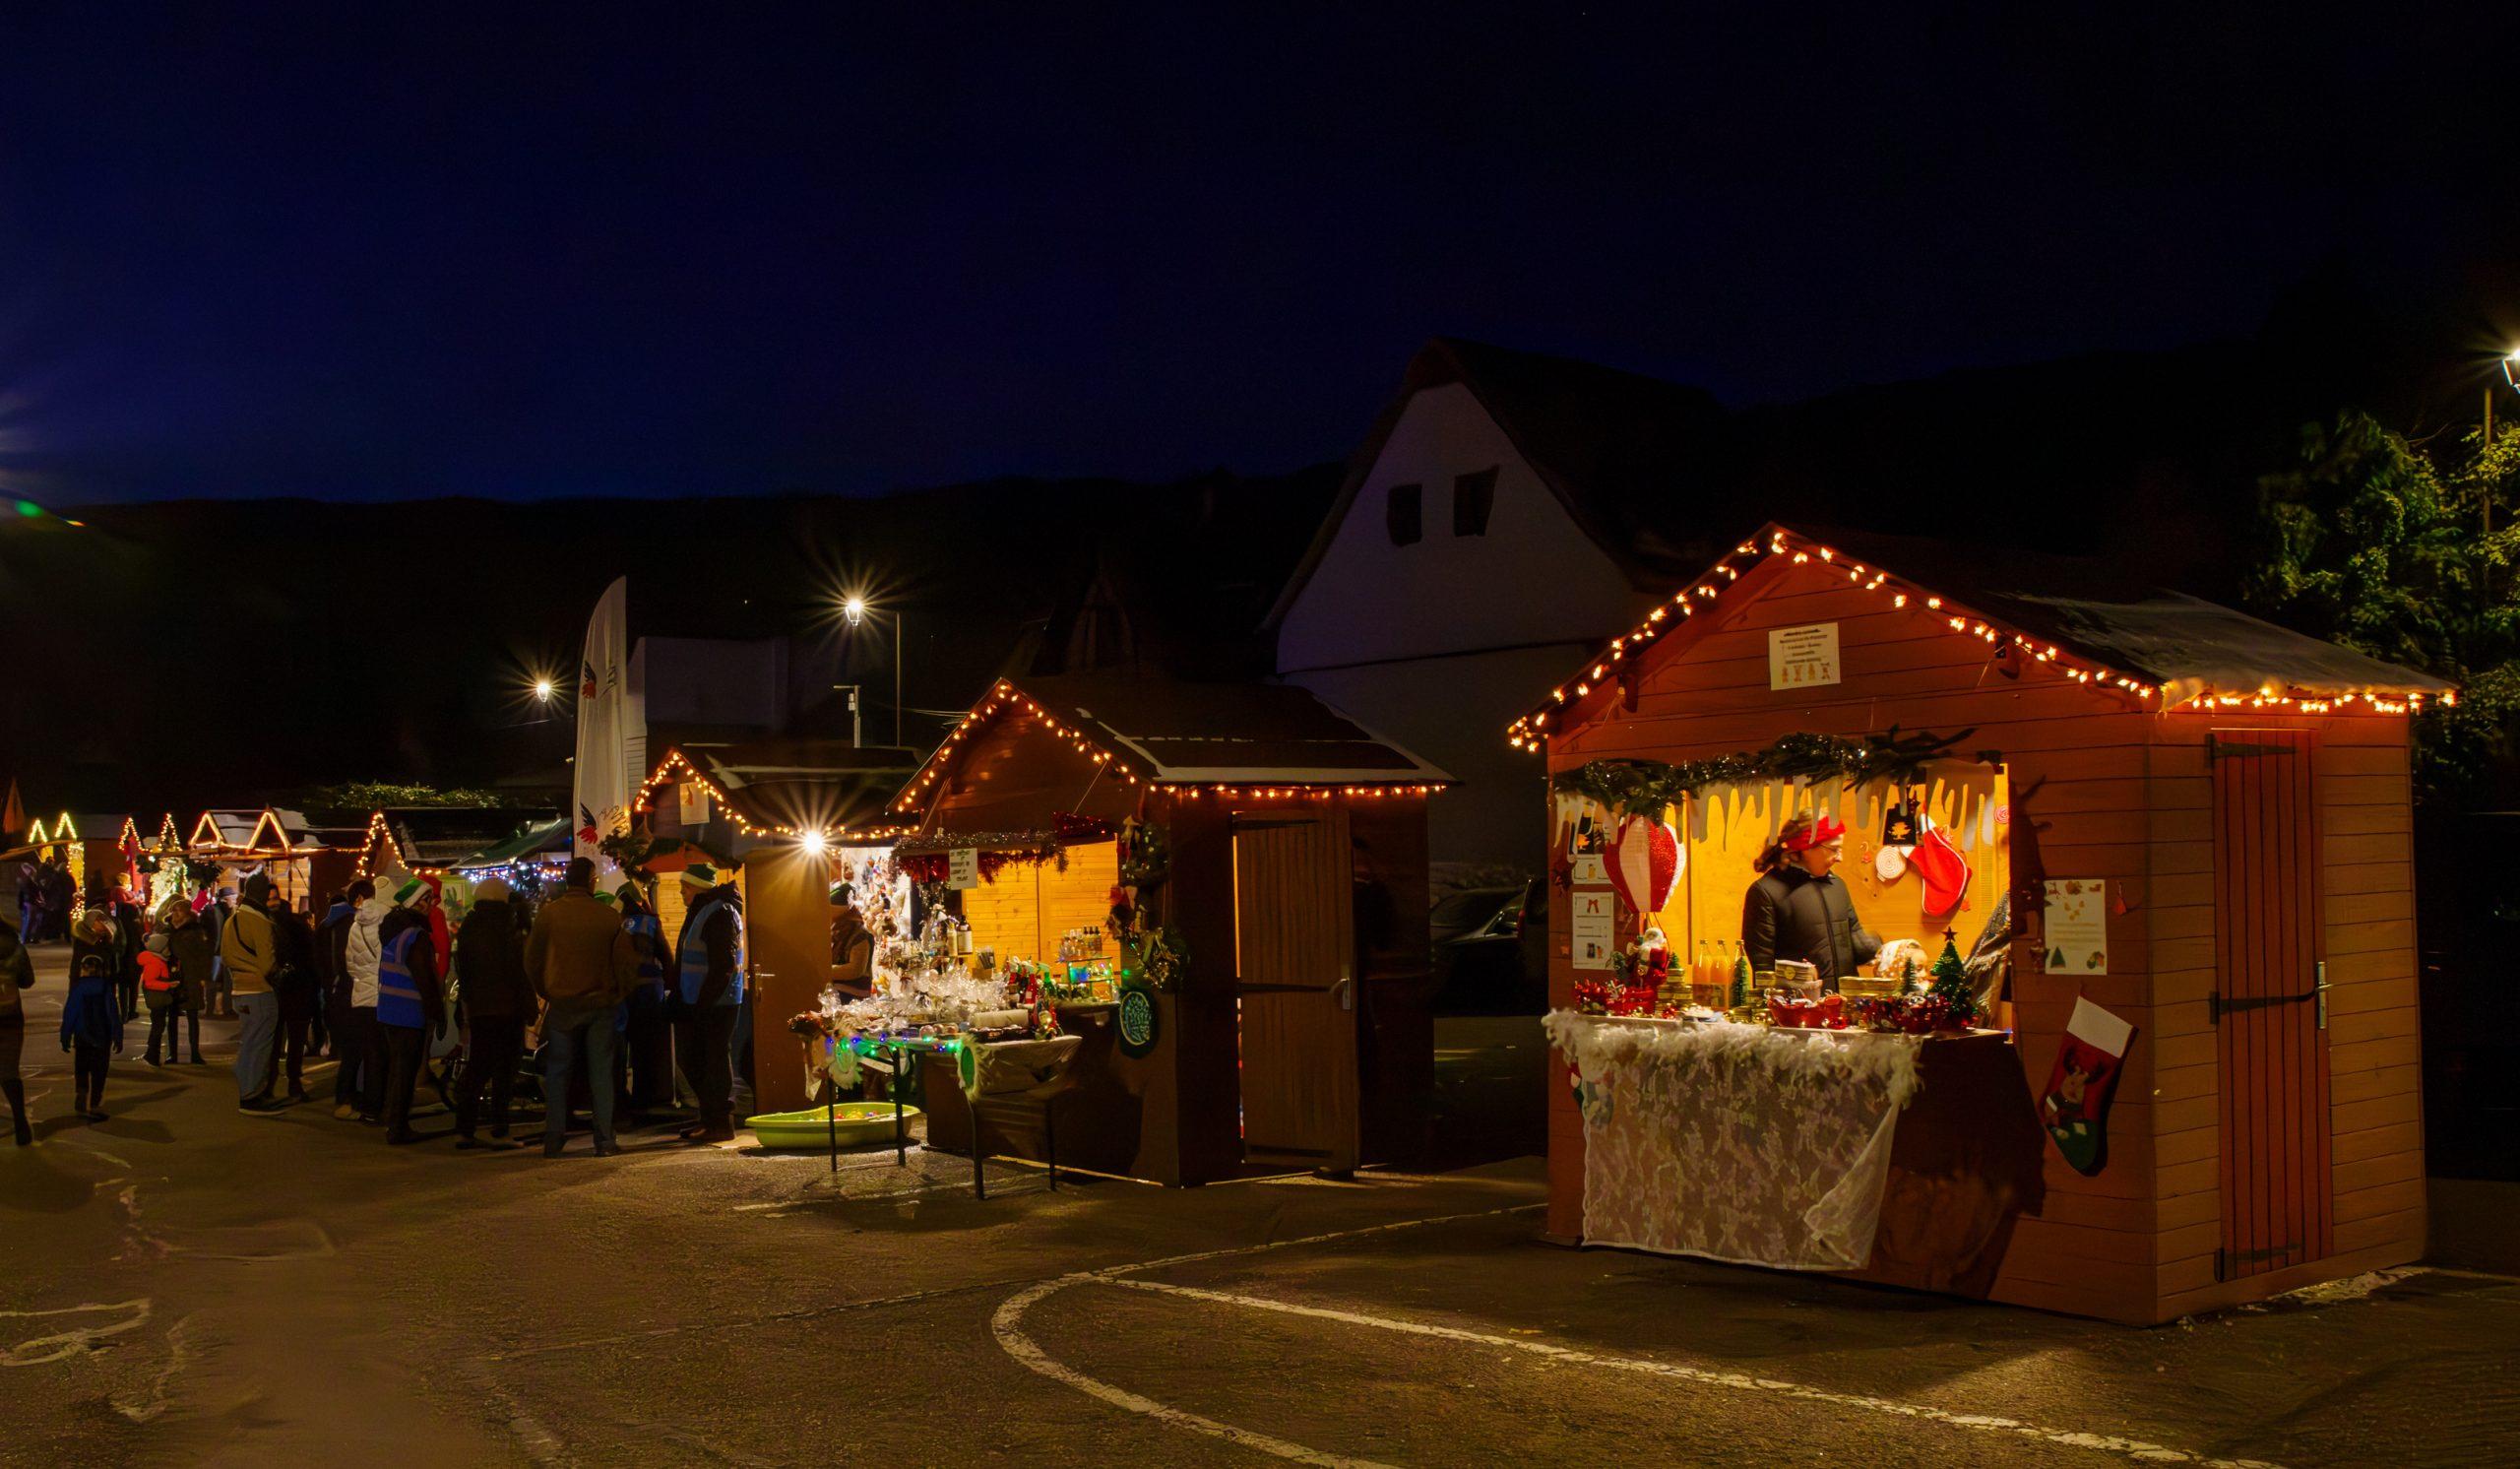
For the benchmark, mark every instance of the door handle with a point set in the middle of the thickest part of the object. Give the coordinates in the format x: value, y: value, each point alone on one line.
x: 2318, y: 990
x: 1346, y: 989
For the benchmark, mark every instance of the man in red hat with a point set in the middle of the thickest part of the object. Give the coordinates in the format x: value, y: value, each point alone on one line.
x: 1798, y: 909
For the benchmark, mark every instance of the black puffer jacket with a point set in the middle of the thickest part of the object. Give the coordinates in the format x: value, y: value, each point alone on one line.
x: 489, y: 962
x: 1792, y: 914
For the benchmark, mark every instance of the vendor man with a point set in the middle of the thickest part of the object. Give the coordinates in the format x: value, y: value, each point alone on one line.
x: 1798, y: 909
x: 852, y: 948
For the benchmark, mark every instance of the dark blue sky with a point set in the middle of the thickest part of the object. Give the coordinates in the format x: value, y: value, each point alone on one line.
x: 365, y: 251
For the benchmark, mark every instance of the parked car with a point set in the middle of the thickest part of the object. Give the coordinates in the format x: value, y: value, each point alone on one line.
x: 1489, y: 949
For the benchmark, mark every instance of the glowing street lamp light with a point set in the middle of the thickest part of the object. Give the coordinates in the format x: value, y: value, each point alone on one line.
x: 543, y: 689
x: 855, y: 611
x: 2511, y: 368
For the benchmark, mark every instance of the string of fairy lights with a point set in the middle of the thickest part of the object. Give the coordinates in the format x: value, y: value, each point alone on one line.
x: 676, y: 769
x: 1005, y: 696
x: 1532, y: 730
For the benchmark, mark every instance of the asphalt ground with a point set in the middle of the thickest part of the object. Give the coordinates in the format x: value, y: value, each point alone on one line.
x: 184, y: 1285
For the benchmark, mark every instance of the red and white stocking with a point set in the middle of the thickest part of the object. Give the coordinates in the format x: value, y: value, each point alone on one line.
x: 2075, y: 1106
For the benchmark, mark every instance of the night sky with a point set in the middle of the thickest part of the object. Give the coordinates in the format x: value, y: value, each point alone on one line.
x: 362, y: 251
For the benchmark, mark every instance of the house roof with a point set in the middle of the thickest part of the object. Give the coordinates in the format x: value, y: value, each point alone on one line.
x: 2164, y: 647
x: 1617, y: 449
x: 796, y: 785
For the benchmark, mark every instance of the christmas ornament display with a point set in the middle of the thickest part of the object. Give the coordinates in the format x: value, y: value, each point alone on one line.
x: 1644, y: 861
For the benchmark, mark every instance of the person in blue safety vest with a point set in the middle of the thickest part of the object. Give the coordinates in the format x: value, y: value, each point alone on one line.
x: 411, y: 1000
x: 709, y: 996
x: 648, y: 1034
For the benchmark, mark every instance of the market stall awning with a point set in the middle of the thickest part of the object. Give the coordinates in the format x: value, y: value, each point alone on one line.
x: 534, y: 840
x: 440, y: 836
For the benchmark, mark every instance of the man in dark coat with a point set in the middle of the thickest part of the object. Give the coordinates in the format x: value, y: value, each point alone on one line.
x: 1799, y: 909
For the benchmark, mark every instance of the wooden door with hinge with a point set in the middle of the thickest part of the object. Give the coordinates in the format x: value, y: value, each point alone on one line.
x: 2269, y: 1002
x: 1295, y: 973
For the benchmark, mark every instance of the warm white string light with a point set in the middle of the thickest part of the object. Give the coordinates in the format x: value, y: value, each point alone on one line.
x: 1531, y: 730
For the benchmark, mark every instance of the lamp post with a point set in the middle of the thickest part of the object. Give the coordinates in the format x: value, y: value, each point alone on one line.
x: 856, y: 611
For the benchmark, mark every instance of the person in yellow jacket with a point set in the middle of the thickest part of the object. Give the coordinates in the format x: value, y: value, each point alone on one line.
x: 250, y: 948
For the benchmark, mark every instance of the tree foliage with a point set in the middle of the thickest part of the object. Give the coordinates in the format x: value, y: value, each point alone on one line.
x: 2372, y: 543
x: 370, y: 796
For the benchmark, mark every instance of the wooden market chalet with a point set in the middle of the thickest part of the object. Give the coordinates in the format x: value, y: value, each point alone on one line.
x: 2239, y: 793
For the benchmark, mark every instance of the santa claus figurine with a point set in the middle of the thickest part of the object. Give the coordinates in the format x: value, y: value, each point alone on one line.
x: 1649, y: 959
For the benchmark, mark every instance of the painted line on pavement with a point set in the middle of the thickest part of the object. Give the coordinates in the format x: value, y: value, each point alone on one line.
x: 2133, y: 1448
x: 1007, y: 1325
x: 77, y: 1339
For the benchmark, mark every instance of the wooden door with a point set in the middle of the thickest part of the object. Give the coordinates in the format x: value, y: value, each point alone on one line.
x: 2268, y: 1006
x: 1295, y: 969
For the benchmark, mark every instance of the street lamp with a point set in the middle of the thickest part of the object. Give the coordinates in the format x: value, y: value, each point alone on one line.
x: 2511, y: 368
x: 854, y: 611
x: 543, y: 691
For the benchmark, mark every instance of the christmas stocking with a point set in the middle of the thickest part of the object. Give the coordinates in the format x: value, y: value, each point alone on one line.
x: 1945, y: 870
x: 2075, y: 1106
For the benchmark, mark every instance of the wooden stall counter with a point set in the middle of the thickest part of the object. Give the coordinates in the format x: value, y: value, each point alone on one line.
x: 1894, y: 1158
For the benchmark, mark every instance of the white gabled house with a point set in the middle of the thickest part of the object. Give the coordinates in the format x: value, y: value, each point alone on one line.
x: 1507, y: 513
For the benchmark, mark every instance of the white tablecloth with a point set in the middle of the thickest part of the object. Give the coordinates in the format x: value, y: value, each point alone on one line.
x: 1743, y: 1143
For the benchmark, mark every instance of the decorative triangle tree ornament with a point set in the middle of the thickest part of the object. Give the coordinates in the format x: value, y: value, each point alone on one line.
x: 1645, y: 862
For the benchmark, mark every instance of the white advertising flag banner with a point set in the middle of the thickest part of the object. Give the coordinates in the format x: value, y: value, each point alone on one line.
x: 602, y: 775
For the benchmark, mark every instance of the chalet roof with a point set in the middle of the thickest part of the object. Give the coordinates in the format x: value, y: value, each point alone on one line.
x: 1181, y: 731
x: 802, y: 785
x: 2098, y: 609
x: 2162, y: 645
x: 1619, y: 449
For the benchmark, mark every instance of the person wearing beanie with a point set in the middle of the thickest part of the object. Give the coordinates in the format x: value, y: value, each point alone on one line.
x: 493, y: 1005
x: 709, y: 991
x: 292, y: 987
x: 358, y: 1085
x: 17, y: 972
x: 647, y: 1033
x: 192, y: 953
x: 582, y: 963
x: 249, y: 949
x: 411, y: 1001
x: 159, y: 992
x: 90, y: 1027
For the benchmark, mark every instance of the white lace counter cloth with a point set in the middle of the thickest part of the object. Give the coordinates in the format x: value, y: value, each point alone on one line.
x: 1745, y: 1143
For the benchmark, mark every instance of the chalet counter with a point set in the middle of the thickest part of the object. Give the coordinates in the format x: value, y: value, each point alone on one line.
x: 1783, y: 1147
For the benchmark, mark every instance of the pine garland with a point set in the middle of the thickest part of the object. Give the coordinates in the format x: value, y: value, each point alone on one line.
x: 1648, y: 788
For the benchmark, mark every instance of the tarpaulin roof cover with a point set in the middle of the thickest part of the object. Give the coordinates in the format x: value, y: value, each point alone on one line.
x: 440, y: 836
x: 531, y: 839
x: 2109, y: 616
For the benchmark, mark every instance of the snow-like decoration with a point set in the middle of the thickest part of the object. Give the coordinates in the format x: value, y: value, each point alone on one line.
x: 1745, y: 1143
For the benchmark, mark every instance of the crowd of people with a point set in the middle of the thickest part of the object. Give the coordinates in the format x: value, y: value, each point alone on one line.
x: 575, y: 995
